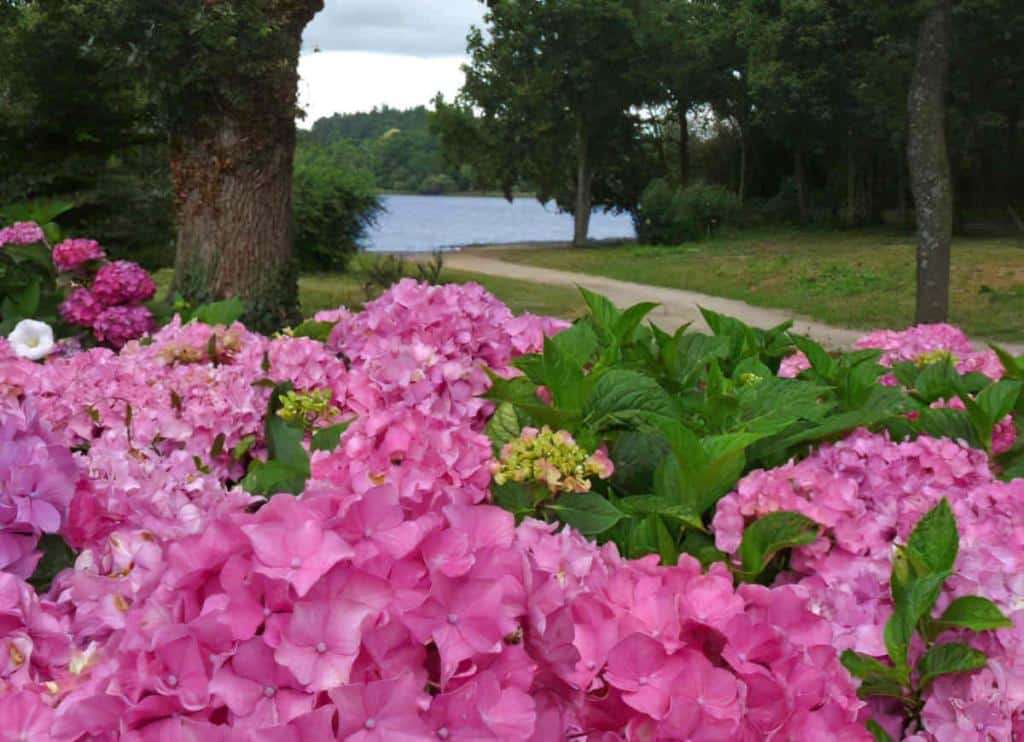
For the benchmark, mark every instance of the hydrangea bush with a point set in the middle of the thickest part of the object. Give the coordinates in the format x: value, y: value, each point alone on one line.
x: 388, y: 598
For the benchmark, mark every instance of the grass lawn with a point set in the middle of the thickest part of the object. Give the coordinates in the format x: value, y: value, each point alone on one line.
x: 330, y: 290
x: 862, y: 278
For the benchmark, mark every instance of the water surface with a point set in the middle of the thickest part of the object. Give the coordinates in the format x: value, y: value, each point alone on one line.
x: 426, y: 223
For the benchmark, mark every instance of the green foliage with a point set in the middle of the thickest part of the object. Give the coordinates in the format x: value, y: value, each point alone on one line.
x: 28, y: 278
x: 334, y: 204
x: 667, y: 215
x: 919, y: 571
x: 684, y: 417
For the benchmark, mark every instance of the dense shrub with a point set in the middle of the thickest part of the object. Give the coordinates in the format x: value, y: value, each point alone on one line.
x: 335, y: 203
x: 291, y: 538
x: 667, y: 215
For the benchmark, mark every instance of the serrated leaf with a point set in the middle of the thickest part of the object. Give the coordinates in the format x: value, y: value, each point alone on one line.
x: 57, y: 556
x: 935, y: 538
x: 654, y: 505
x: 948, y: 659
x: 765, y: 537
x: 601, y: 309
x: 590, y: 513
x: 620, y: 391
x: 625, y: 326
x: 504, y: 425
x: 997, y: 400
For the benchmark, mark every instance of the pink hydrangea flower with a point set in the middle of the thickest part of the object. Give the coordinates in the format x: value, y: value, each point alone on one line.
x: 81, y: 308
x: 21, y: 233
x: 72, y: 254
x: 119, y: 324
x: 122, y: 282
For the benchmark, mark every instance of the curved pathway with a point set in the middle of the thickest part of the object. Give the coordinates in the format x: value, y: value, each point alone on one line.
x: 677, y: 306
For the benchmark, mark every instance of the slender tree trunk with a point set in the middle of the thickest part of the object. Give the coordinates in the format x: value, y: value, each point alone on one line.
x: 901, y: 187
x: 851, y: 184
x: 684, y: 148
x: 584, y: 187
x: 801, y: 186
x: 929, y: 164
x: 742, y: 189
x: 232, y: 175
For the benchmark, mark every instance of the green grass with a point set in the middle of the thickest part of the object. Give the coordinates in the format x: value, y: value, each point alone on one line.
x: 330, y: 290
x: 862, y: 278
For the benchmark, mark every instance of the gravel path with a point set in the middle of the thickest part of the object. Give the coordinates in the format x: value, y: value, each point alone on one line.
x: 677, y: 307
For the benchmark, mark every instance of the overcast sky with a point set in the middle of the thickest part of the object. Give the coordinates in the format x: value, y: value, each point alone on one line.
x: 372, y: 52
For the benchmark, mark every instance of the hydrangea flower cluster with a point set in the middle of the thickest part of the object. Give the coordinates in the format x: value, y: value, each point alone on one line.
x: 921, y: 344
x: 112, y: 308
x: 552, y: 459
x: 21, y: 233
x: 38, y: 478
x: 389, y: 601
x: 867, y: 493
x: 74, y: 254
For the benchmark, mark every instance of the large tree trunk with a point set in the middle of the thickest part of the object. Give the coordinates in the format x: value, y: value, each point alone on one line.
x: 929, y: 164
x: 232, y: 175
x: 684, y: 148
x: 584, y: 190
x: 801, y: 186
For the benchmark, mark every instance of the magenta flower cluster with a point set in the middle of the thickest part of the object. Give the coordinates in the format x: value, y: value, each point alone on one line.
x: 73, y: 254
x: 390, y: 601
x: 38, y: 478
x: 21, y: 233
x: 112, y: 307
x: 868, y: 492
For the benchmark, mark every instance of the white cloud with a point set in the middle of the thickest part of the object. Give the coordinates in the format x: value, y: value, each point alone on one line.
x: 424, y: 28
x: 346, y: 82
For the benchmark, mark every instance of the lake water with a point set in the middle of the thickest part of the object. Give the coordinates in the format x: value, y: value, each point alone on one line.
x: 426, y: 223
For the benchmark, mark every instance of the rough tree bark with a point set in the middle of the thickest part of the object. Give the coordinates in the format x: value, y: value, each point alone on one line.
x: 233, y: 188
x: 584, y: 190
x: 929, y: 163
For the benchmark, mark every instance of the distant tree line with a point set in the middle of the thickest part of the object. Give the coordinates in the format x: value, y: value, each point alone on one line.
x: 800, y: 107
x: 399, y: 148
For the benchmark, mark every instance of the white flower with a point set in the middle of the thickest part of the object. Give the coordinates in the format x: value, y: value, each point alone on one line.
x: 32, y: 339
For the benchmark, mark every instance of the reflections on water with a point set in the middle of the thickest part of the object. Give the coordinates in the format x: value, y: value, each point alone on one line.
x: 426, y: 223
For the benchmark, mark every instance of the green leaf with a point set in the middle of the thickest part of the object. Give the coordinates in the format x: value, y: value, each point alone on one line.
x: 601, y: 309
x: 701, y: 546
x: 274, y: 477
x: 975, y: 613
x: 998, y: 400
x: 765, y: 537
x: 877, y: 732
x: 218, y: 446
x: 590, y: 513
x: 328, y: 439
x: 579, y: 343
x: 654, y: 505
x: 504, y: 425
x: 619, y: 392
x: 220, y: 313
x: 650, y: 535
x: 865, y: 667
x: 948, y: 659
x: 284, y: 443
x: 516, y: 498
x: 57, y: 556
x: 320, y: 331
x: 563, y: 376
x: 821, y: 361
x: 243, y: 447
x: 935, y: 539
x: 625, y: 326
